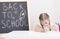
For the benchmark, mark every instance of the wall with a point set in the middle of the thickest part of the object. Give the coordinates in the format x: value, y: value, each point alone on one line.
x: 36, y: 7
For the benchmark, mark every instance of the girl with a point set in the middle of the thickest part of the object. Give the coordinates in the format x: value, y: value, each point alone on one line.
x: 45, y: 24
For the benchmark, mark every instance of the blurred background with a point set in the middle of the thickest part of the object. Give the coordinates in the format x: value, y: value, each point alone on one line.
x: 36, y: 7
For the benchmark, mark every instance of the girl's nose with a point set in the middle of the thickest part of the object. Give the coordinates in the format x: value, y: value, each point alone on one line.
x: 45, y: 22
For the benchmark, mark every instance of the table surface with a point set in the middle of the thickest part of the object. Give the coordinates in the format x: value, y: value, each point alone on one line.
x: 31, y: 35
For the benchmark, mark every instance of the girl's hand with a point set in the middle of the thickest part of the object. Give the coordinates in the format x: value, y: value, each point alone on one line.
x: 53, y: 28
x: 49, y: 27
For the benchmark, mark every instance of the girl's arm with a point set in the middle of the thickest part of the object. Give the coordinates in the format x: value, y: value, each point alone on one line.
x: 38, y: 29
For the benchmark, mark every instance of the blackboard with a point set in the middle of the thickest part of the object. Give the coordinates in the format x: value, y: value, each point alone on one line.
x: 13, y: 16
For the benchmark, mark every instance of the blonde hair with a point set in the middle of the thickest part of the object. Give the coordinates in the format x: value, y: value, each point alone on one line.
x: 44, y: 16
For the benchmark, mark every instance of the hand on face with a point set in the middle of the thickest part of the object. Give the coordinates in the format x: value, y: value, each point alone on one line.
x: 45, y: 22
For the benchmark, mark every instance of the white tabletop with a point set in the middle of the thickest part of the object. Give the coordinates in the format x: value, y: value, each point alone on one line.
x: 31, y: 35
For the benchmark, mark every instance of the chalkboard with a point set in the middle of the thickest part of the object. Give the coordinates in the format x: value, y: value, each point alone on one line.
x: 13, y: 16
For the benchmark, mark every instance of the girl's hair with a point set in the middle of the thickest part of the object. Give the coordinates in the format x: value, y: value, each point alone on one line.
x: 44, y: 16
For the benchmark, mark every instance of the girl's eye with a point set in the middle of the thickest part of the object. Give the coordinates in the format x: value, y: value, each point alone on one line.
x: 45, y: 22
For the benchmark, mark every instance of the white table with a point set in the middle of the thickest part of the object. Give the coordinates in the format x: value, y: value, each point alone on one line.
x: 31, y: 35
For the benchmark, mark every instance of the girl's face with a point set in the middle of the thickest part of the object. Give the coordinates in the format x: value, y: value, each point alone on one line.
x: 45, y: 22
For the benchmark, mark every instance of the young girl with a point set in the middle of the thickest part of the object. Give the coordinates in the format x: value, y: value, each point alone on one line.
x: 45, y: 24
